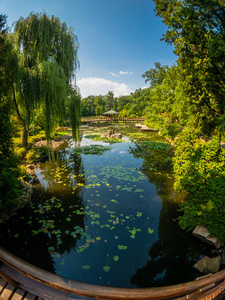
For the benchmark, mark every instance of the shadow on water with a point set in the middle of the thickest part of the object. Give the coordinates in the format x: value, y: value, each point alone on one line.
x: 172, y: 256
x: 47, y: 226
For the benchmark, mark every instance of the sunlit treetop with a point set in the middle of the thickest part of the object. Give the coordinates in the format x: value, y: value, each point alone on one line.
x: 40, y: 38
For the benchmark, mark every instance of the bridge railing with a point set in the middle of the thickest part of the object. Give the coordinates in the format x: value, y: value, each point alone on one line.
x: 110, y: 119
x: 206, y: 287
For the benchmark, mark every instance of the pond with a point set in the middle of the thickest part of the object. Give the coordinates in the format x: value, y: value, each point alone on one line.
x: 106, y: 213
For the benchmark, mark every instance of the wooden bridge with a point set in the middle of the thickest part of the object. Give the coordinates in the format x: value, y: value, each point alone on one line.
x: 111, y: 119
x: 23, y: 281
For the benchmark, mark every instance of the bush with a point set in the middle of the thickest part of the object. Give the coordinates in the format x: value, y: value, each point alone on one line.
x: 172, y: 130
x: 199, y: 169
x: 37, y: 154
x: 38, y: 137
x: 20, y: 152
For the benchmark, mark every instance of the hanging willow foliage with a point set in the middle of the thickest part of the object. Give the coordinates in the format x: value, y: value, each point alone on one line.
x: 47, y: 53
x: 75, y: 112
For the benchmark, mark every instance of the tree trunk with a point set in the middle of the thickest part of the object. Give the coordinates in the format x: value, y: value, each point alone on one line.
x: 25, y: 136
x: 25, y: 131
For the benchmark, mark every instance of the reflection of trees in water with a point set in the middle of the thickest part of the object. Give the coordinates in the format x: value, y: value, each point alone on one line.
x: 48, y: 223
x: 157, y: 166
x: 173, y: 255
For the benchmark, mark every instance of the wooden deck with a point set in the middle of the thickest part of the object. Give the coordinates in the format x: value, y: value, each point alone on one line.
x: 20, y: 280
x: 12, y: 292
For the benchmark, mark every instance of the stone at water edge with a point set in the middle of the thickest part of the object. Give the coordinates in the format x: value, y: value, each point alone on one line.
x: 138, y: 125
x: 214, y: 265
x: 223, y: 258
x: 116, y: 136
x: 200, y: 266
x: 208, y: 265
x: 203, y: 234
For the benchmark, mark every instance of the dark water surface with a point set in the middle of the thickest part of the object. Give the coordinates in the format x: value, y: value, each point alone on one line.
x: 108, y: 219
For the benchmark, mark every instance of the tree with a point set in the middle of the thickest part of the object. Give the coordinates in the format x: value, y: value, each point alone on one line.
x: 155, y: 75
x: 197, y: 30
x: 8, y: 166
x: 110, y: 101
x: 47, y: 58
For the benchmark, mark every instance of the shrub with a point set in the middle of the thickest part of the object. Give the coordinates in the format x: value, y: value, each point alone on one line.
x: 36, y: 154
x: 20, y: 152
x: 199, y: 169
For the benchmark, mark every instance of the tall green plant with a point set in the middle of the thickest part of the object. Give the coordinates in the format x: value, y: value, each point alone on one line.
x: 47, y: 58
x: 8, y: 164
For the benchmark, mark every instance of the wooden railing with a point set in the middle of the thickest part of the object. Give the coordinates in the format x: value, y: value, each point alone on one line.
x: 50, y: 286
x: 99, y: 119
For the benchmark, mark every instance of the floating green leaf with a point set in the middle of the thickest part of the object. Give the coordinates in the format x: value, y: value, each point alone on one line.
x: 116, y: 258
x: 121, y: 247
x: 150, y: 230
x: 51, y: 248
x: 86, y: 267
x: 106, y: 268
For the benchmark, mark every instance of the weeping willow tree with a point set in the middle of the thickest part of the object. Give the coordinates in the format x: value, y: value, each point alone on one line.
x: 47, y: 59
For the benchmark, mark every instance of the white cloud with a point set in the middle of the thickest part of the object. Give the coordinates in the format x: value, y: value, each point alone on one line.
x: 113, y: 74
x: 145, y: 87
x: 100, y: 86
x: 124, y: 72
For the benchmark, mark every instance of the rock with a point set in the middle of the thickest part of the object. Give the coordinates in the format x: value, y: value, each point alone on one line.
x: 214, y: 265
x: 138, y: 125
x: 208, y: 265
x: 110, y: 133
x: 116, y: 136
x: 203, y: 234
x: 200, y: 266
x: 223, y: 258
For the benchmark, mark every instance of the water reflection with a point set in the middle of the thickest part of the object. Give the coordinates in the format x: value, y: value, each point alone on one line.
x: 47, y: 226
x: 106, y: 219
x: 172, y: 256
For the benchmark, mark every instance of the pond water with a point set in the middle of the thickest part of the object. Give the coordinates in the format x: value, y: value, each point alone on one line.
x: 107, y: 215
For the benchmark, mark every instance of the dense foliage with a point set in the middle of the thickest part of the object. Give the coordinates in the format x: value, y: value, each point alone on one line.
x: 46, y: 51
x: 199, y: 169
x: 197, y: 30
x: 8, y: 164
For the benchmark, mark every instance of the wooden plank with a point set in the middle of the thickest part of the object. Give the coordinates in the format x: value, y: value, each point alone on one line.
x: 3, y: 283
x: 7, y: 292
x: 30, y: 296
x: 213, y: 293
x: 18, y: 294
x: 34, y: 287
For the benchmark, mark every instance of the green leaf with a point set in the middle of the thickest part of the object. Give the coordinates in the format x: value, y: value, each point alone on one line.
x: 150, y: 231
x: 86, y: 267
x: 116, y: 258
x: 106, y: 268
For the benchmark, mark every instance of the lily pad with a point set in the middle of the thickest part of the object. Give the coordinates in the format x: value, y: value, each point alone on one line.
x: 86, y: 267
x: 106, y: 268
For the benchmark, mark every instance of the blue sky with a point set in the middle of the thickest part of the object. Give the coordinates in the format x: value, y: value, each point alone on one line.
x: 119, y: 39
